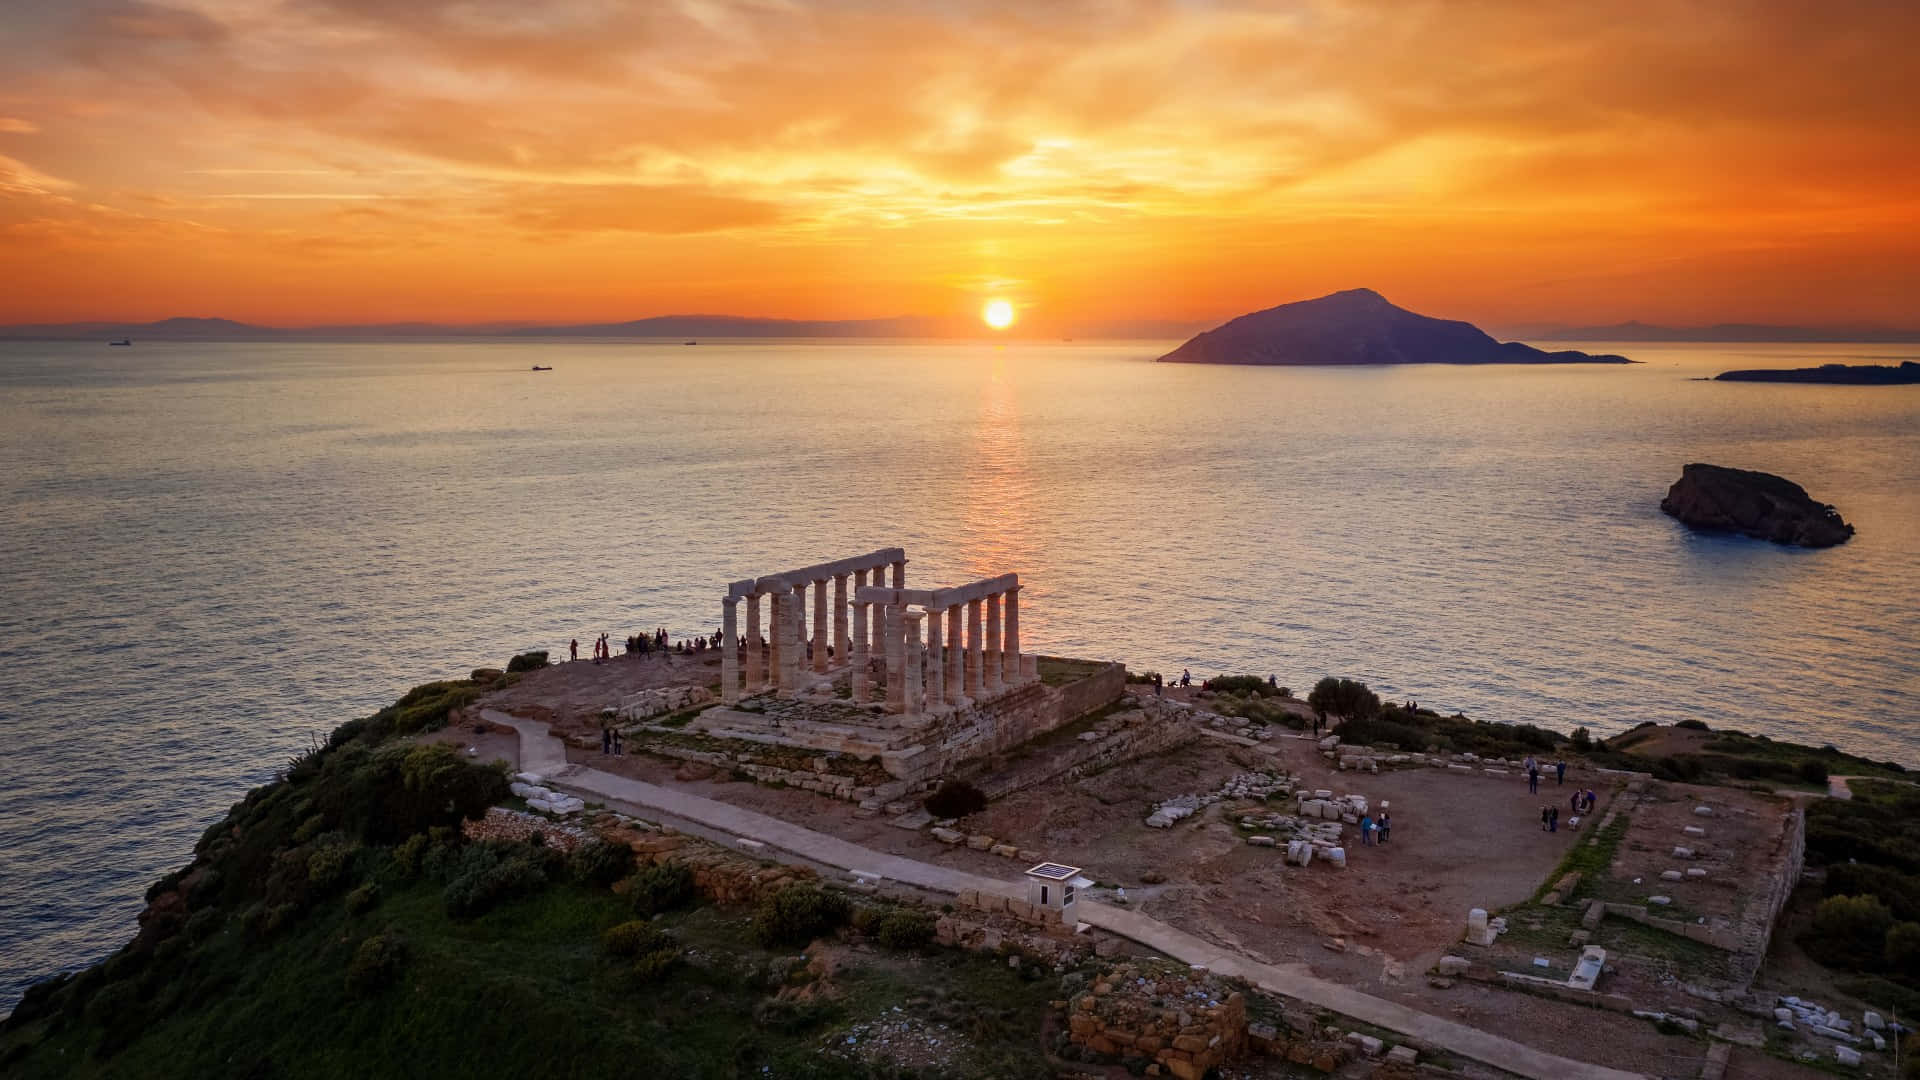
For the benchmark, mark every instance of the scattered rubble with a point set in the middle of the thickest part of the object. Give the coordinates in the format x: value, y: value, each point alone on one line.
x: 546, y: 800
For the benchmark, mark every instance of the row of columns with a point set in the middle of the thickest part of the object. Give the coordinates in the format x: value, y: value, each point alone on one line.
x: 779, y: 662
x: 918, y: 674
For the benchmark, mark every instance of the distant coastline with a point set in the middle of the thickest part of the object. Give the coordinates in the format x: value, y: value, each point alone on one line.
x: 1904, y: 374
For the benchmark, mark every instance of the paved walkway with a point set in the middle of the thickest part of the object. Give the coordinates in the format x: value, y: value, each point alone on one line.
x: 543, y: 753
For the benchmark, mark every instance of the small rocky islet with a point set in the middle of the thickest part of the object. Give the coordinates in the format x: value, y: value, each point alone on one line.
x: 1906, y: 373
x: 1715, y: 498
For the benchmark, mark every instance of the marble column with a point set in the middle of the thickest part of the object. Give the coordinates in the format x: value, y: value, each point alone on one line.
x: 797, y: 613
x: 973, y: 650
x: 730, y: 650
x: 992, y: 677
x: 756, y: 660
x: 840, y: 652
x: 913, y: 704
x: 820, y: 626
x: 896, y: 658
x: 858, y: 676
x: 877, y: 646
x: 777, y: 637
x: 1010, y: 640
x: 900, y: 574
x: 956, y: 659
x: 936, y: 663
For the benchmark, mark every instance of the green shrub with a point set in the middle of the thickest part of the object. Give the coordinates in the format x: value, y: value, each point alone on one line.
x: 406, y: 857
x: 327, y: 867
x: 656, y: 889
x: 528, y: 661
x: 487, y: 874
x: 1582, y: 739
x: 1813, y: 771
x: 956, y: 798
x: 905, y: 928
x: 631, y: 939
x: 650, y: 966
x: 376, y: 964
x: 797, y: 914
x: 363, y: 899
x: 202, y: 924
x: 600, y: 862
x: 1693, y: 725
x: 1251, y: 685
x: 1851, y: 930
x: 1346, y: 698
x: 1902, y: 951
x: 425, y: 707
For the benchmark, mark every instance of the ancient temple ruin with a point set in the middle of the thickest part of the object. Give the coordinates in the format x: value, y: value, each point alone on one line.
x: 903, y: 646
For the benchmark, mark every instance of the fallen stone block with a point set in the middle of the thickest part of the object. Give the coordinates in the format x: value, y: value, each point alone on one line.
x: 1683, y: 853
x: 1671, y: 875
x: 1873, y: 1021
x: 1696, y: 872
x: 1453, y: 965
x: 1847, y: 1055
x: 1403, y: 1055
x: 948, y: 836
x: 1661, y: 901
x: 980, y: 842
x: 1703, y: 811
x: 1694, y: 830
x: 1260, y: 841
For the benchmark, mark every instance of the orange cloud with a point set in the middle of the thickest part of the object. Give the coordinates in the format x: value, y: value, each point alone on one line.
x: 1498, y: 159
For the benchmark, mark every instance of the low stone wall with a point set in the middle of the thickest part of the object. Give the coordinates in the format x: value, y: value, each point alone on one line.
x: 821, y: 778
x: 1718, y: 937
x: 722, y: 876
x: 1183, y: 1021
x: 1002, y: 723
x: 1121, y: 738
x: 1793, y: 862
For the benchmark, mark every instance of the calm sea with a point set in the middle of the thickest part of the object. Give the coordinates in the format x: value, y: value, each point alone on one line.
x: 212, y: 554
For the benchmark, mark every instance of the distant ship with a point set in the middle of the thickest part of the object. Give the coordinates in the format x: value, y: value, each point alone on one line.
x: 122, y: 341
x: 537, y: 367
x: 689, y: 343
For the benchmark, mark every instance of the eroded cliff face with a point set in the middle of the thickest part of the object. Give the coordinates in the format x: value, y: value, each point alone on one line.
x: 1756, y: 504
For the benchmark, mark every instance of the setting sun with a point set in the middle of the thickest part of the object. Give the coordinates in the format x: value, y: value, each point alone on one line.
x: 998, y: 314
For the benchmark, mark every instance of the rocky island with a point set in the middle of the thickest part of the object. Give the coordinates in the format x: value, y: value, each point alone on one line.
x: 1906, y: 373
x: 1756, y: 504
x: 1359, y: 326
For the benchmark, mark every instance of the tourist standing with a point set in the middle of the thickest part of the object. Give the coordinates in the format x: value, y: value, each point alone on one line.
x: 1366, y: 830
x: 1158, y: 685
x: 1385, y: 825
x: 606, y: 740
x: 1186, y: 677
x: 1560, y: 772
x: 1533, y: 779
x: 1543, y: 819
x: 1553, y: 820
x: 576, y: 648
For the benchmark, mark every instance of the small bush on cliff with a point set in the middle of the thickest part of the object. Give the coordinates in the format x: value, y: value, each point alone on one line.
x: 956, y: 798
x: 1813, y: 771
x: 1349, y: 699
x: 1851, y: 929
x: 425, y: 707
x: 630, y: 939
x: 1252, y: 685
x: 662, y: 888
x: 486, y: 874
x: 528, y: 661
x: 376, y: 964
x: 797, y: 914
x: 363, y: 899
x: 600, y: 862
x: 905, y: 928
x: 327, y: 867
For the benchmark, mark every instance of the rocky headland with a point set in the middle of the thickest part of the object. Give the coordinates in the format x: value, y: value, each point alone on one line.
x: 1359, y: 326
x: 1906, y: 373
x: 1756, y: 504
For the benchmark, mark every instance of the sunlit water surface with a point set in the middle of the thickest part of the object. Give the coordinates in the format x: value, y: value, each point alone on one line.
x: 211, y: 554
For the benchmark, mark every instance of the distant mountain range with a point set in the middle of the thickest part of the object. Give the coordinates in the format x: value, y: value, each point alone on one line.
x: 1359, y: 326
x: 722, y: 326
x: 1726, y: 332
x: 665, y: 326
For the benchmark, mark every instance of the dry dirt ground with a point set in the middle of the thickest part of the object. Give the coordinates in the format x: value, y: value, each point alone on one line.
x: 570, y: 695
x: 1742, y: 850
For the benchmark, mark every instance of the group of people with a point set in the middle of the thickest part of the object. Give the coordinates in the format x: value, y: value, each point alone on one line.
x: 1159, y: 684
x: 610, y: 741
x: 1533, y: 774
x: 601, y: 650
x: 1375, y: 830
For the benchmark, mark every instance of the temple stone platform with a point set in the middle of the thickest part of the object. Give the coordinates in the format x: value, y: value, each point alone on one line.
x: 916, y: 748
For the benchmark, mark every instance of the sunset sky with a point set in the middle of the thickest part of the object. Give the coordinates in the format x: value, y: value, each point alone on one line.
x: 1505, y: 161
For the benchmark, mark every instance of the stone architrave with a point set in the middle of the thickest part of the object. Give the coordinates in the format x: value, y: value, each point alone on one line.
x: 973, y: 650
x: 896, y: 660
x: 912, y: 703
x: 756, y: 659
x: 956, y: 659
x: 820, y: 627
x: 858, y: 676
x: 840, y: 646
x: 1011, y: 667
x: 991, y: 677
x: 730, y: 651
x: 936, y: 663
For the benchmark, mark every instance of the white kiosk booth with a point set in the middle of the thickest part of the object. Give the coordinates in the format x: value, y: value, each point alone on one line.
x: 1054, y: 887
